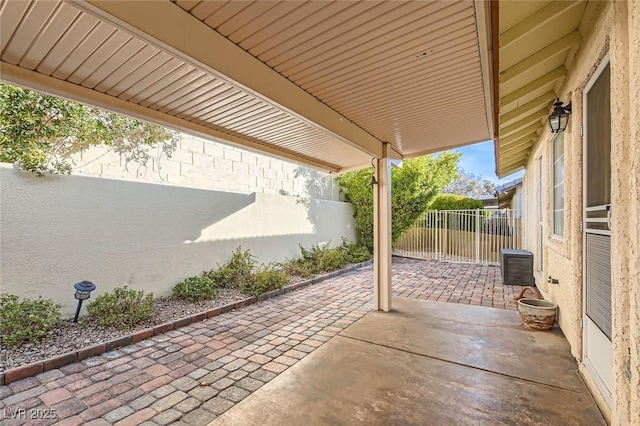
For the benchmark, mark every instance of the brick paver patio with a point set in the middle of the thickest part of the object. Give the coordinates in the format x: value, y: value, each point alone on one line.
x: 195, y: 373
x: 465, y: 283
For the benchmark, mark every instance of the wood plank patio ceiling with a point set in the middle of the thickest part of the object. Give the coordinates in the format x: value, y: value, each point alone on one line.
x: 322, y: 83
x: 538, y: 42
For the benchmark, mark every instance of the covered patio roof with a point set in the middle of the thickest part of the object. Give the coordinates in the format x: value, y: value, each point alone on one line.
x: 537, y: 45
x: 325, y: 84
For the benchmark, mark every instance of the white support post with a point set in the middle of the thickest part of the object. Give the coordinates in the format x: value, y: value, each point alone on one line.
x: 382, y: 234
x: 477, y: 235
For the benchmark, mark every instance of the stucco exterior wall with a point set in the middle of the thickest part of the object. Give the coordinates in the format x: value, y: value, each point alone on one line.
x: 615, y: 29
x: 63, y: 229
x: 633, y: 44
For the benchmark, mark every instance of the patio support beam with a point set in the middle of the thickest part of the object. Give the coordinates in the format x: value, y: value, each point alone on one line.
x: 53, y: 86
x: 382, y: 233
x: 173, y: 30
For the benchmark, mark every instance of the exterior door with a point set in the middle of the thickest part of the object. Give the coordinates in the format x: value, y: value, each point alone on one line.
x: 597, y: 232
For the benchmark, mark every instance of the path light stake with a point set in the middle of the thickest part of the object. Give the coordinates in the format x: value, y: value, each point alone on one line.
x: 83, y: 292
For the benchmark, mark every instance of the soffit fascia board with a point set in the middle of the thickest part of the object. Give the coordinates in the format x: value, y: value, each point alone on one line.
x: 544, y: 54
x: 532, y: 118
x: 170, y: 28
x: 495, y: 44
x: 521, y: 153
x: 507, y: 140
x: 537, y: 84
x: 516, y: 159
x: 522, y: 138
x: 536, y: 20
x: 512, y: 169
x: 523, y: 146
x: 484, y: 28
x: 529, y: 108
x: 56, y: 87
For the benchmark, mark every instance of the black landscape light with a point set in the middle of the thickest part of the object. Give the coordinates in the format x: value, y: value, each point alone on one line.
x: 83, y: 292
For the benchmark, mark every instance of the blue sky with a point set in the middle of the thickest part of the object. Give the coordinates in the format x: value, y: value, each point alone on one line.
x: 479, y: 159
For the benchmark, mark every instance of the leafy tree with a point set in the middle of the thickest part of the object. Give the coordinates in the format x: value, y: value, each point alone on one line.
x: 39, y: 132
x: 470, y: 185
x: 455, y: 202
x: 413, y: 187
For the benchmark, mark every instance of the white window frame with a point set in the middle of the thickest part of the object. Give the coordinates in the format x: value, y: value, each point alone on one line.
x: 540, y: 218
x: 557, y: 185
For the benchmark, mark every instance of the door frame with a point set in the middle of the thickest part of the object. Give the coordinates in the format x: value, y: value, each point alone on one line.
x: 587, y: 324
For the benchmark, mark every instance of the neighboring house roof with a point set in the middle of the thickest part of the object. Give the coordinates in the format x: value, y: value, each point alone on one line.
x: 507, y: 186
x: 504, y: 193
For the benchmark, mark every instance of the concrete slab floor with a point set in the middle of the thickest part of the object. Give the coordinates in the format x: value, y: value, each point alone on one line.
x: 428, y: 363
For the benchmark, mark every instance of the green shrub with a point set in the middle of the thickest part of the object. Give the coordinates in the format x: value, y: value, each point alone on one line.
x: 123, y: 308
x: 26, y: 320
x: 195, y: 289
x: 413, y: 187
x: 318, y: 258
x: 354, y: 252
x: 330, y: 259
x: 299, y: 267
x: 267, y: 279
x: 455, y: 202
x: 236, y: 273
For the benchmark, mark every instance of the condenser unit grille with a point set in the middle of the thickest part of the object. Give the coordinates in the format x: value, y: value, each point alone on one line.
x: 517, y: 267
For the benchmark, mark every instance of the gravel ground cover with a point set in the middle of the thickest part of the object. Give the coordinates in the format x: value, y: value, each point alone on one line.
x: 68, y: 337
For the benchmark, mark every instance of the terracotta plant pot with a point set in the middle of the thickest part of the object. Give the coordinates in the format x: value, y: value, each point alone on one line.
x: 536, y: 314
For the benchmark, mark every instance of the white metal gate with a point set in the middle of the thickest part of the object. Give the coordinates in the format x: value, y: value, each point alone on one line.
x: 462, y: 235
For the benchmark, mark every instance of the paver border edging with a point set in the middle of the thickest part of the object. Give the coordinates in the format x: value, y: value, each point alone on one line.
x: 14, y: 374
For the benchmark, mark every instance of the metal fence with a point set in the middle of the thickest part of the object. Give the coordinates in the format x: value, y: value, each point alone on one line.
x: 462, y: 235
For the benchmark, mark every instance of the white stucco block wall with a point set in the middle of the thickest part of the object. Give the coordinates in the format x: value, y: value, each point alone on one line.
x: 58, y: 230
x: 207, y: 164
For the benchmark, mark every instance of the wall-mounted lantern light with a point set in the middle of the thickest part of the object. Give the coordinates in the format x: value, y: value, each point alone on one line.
x: 559, y: 117
x: 373, y: 175
x: 83, y: 292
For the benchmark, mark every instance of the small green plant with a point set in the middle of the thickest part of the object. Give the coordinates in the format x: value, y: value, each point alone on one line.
x: 267, y: 279
x: 236, y: 273
x: 195, y: 289
x: 321, y: 258
x: 354, y: 252
x: 330, y: 259
x: 123, y: 308
x: 26, y: 320
x: 298, y: 267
